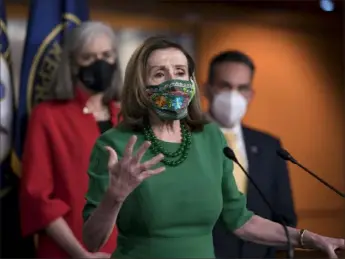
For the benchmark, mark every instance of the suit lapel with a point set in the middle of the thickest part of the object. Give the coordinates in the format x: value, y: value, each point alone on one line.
x: 253, y: 155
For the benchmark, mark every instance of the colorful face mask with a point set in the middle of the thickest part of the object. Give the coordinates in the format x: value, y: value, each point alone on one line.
x: 171, y: 98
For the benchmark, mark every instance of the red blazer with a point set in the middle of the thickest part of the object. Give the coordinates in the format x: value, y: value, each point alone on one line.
x: 55, y: 162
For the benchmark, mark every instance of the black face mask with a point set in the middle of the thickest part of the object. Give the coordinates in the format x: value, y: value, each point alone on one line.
x: 97, y: 76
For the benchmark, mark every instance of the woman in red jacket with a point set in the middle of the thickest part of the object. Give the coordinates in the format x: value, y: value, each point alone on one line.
x: 59, y: 140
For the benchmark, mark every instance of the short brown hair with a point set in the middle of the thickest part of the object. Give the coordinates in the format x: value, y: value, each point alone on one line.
x: 134, y: 101
x: 64, y: 80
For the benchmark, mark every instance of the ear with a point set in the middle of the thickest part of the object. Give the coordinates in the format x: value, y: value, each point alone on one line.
x: 251, y: 95
x: 207, y: 91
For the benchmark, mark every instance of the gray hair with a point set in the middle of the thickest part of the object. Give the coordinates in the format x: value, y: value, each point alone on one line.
x: 64, y: 79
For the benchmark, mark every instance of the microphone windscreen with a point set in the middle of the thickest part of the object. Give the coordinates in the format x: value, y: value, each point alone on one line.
x: 283, y: 154
x: 229, y: 153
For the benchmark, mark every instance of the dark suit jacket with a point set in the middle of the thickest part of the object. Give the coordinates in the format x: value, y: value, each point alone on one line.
x: 271, y: 175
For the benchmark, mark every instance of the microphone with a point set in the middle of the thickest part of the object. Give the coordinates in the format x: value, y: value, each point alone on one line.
x: 284, y: 154
x: 229, y: 153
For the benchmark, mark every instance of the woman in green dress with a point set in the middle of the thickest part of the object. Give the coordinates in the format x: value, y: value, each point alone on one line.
x: 161, y: 175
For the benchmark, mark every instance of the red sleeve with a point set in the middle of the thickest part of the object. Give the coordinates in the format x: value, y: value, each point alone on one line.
x: 37, y: 203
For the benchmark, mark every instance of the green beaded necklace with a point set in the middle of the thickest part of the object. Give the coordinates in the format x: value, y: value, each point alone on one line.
x: 157, y: 148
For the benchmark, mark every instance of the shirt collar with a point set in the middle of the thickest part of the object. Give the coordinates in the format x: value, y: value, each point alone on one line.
x: 82, y: 96
x: 236, y: 130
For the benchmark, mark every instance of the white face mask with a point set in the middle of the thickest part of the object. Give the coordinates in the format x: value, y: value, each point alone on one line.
x: 229, y: 107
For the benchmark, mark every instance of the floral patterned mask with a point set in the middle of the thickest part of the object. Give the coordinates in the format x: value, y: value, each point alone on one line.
x: 171, y: 98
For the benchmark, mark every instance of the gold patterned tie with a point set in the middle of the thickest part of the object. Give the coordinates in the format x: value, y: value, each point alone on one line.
x: 240, y: 177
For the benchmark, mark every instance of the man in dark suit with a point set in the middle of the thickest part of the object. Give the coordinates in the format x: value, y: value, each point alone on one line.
x: 229, y: 90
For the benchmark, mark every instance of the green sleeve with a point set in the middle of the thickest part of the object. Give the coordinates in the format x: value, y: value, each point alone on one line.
x: 235, y: 213
x: 98, y: 178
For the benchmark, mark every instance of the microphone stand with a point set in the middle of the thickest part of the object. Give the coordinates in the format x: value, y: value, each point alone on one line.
x: 229, y: 153
x: 280, y: 219
x: 284, y: 154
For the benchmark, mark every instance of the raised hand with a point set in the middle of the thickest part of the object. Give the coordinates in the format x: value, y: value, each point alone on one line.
x: 125, y: 175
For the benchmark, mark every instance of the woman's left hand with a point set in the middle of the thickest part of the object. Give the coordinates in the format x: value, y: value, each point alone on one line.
x: 329, y: 245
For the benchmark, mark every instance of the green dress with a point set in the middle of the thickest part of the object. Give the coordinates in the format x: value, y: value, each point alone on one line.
x: 171, y: 215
